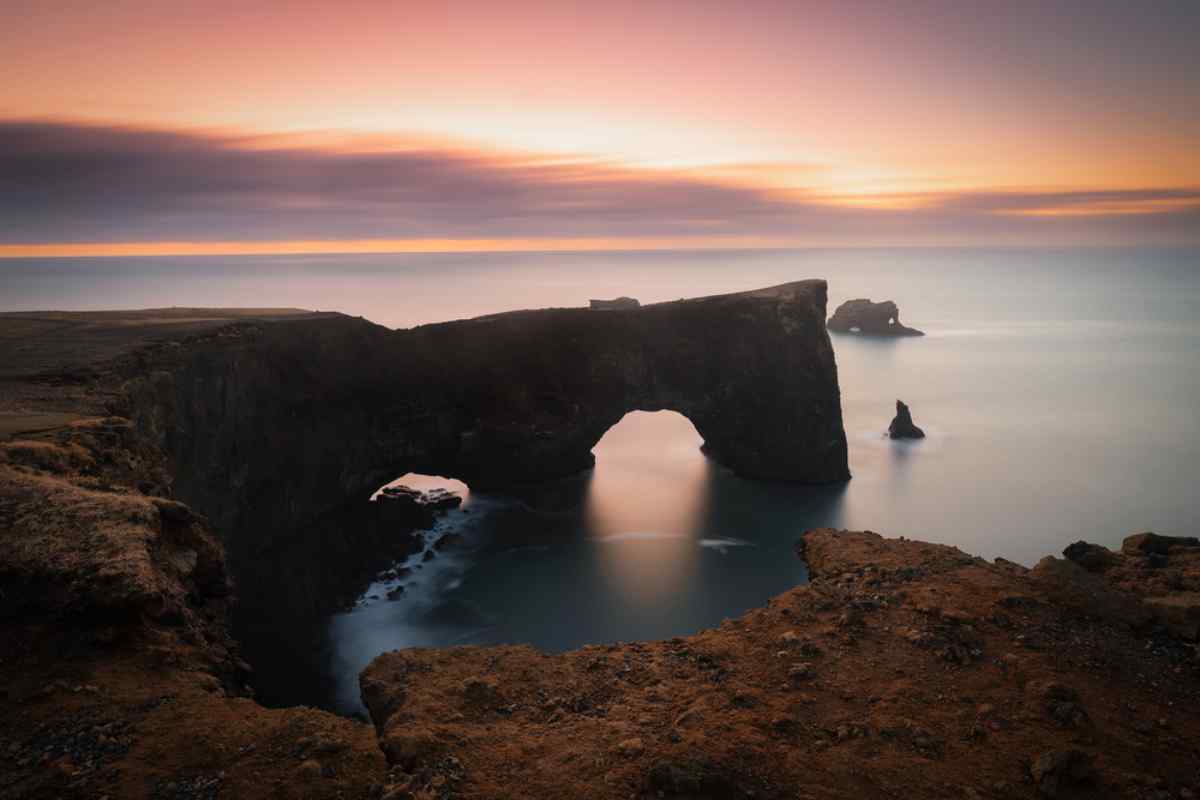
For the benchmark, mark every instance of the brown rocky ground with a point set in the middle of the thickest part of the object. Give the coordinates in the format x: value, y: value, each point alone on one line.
x: 118, y: 677
x: 904, y: 670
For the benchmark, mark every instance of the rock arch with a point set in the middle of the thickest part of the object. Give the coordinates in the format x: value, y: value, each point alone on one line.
x: 268, y: 423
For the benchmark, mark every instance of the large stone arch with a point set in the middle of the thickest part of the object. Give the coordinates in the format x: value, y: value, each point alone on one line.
x: 270, y: 423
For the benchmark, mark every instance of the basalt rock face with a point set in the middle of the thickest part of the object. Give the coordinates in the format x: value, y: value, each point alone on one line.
x: 875, y: 319
x: 267, y: 424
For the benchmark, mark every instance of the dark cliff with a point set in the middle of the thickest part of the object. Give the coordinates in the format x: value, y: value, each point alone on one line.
x: 269, y: 423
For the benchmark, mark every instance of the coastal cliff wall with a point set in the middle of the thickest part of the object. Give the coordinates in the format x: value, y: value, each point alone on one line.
x: 268, y: 424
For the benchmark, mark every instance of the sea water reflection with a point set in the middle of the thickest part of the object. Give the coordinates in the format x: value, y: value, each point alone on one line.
x: 656, y: 541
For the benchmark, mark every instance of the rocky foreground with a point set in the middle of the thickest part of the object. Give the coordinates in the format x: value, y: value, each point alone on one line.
x: 903, y: 670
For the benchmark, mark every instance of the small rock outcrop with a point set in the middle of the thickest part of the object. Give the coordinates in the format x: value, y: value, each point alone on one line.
x: 902, y: 426
x: 1147, y: 544
x: 1091, y: 557
x: 875, y: 319
x: 616, y: 304
x: 414, y: 508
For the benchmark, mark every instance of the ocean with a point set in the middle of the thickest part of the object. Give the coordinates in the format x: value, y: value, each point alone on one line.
x: 1059, y: 388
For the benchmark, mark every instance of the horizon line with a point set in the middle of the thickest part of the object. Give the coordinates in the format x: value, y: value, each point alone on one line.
x: 334, y: 247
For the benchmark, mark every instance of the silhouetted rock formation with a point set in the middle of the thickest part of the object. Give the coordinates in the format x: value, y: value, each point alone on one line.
x: 268, y: 424
x: 902, y: 426
x: 876, y: 319
x: 619, y: 304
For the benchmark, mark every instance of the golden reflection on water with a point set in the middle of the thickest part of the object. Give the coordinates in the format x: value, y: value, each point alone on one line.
x: 643, y: 514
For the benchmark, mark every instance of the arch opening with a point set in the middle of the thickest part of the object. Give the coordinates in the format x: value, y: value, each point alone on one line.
x: 649, y: 477
x: 425, y: 483
x: 646, y: 503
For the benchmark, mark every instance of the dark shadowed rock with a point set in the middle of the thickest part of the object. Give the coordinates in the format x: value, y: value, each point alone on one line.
x: 1061, y: 769
x: 413, y: 508
x: 1091, y: 557
x: 448, y: 540
x: 902, y: 426
x: 875, y: 319
x: 310, y: 414
x: 697, y: 780
x: 1179, y: 613
x: 618, y: 304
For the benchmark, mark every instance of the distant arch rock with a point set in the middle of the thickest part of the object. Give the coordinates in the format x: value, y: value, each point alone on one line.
x: 873, y: 319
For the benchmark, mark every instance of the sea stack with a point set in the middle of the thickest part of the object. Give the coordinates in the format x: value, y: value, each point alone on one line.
x: 902, y: 426
x: 873, y: 319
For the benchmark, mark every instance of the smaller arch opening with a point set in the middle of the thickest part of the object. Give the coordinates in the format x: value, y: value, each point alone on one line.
x: 426, y: 483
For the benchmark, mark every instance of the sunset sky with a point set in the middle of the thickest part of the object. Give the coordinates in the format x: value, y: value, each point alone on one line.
x: 361, y: 125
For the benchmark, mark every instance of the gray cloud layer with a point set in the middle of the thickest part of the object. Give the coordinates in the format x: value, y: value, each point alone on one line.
x: 63, y: 182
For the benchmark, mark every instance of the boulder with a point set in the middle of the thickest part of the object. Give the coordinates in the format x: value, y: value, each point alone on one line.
x: 874, y: 319
x: 902, y: 426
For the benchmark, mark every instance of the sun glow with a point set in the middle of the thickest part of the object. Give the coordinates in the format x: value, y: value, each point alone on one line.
x: 772, y: 122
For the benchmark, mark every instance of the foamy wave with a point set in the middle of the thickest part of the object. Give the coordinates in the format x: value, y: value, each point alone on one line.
x: 637, y: 536
x: 723, y: 545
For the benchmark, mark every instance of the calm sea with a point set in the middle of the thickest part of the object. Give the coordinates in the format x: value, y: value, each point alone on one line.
x: 1060, y: 391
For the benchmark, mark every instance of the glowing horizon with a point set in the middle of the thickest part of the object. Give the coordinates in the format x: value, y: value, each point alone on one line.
x: 768, y: 120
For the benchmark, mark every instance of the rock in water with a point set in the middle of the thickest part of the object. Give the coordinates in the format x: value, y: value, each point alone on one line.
x: 902, y: 426
x: 875, y: 319
x: 414, y: 508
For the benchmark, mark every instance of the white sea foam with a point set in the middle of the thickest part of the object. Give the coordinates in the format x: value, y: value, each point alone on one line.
x: 723, y: 545
x: 637, y: 536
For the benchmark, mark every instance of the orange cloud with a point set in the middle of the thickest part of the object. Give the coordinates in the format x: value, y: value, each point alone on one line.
x: 73, y: 189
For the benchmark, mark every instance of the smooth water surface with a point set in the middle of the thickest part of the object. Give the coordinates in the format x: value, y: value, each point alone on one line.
x: 1058, y: 388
